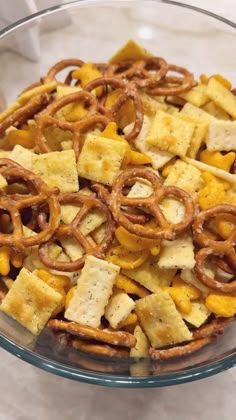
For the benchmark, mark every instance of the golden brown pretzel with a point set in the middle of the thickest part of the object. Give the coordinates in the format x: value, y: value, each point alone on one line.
x: 180, y: 351
x: 216, y: 326
x: 73, y: 230
x: 146, y: 73
x: 129, y: 92
x: 164, y: 230
x: 174, y: 85
x: 39, y: 193
x: 116, y: 338
x: 21, y: 115
x: 62, y: 65
x: 78, y: 128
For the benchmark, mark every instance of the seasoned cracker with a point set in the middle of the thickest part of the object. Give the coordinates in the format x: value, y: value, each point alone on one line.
x: 150, y: 275
x: 161, y: 321
x: 177, y: 254
x: 221, y: 96
x: 94, y: 289
x: 142, y: 346
x: 221, y: 136
x: 198, y: 314
x: 30, y: 301
x: 118, y: 308
x: 170, y: 133
x: 185, y: 176
x: 72, y: 248
x: 195, y: 112
x: 22, y: 156
x: 196, y: 96
x: 100, y: 159
x: 57, y: 169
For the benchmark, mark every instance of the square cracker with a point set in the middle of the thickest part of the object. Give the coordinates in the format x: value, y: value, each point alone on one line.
x: 198, y: 314
x: 30, y: 301
x: 196, y: 96
x: 94, y: 289
x: 150, y: 275
x: 22, y: 156
x: 142, y: 344
x: 161, y: 321
x: 185, y: 176
x: 177, y: 254
x: 221, y: 96
x: 221, y: 136
x: 57, y: 169
x: 118, y: 308
x: 158, y: 157
x: 171, y: 133
x: 101, y: 158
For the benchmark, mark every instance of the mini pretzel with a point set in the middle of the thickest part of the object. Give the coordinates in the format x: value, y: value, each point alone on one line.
x: 175, y: 84
x: 62, y: 65
x: 73, y: 230
x: 145, y: 73
x: 180, y: 351
x: 39, y: 193
x: 151, y: 203
x: 98, y: 349
x: 22, y: 114
x: 116, y: 338
x: 216, y: 326
x: 78, y: 128
x: 129, y: 92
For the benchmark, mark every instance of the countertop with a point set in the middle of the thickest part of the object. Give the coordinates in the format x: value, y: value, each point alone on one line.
x: 28, y: 393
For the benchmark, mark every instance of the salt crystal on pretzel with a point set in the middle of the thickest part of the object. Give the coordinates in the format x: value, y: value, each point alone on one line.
x: 22, y: 156
x: 93, y: 291
x: 171, y: 133
x: 30, y: 301
x: 222, y: 96
x: 198, y: 314
x: 57, y: 169
x: 221, y: 136
x: 161, y: 321
x: 118, y: 308
x: 100, y: 159
x: 220, y: 173
x: 177, y: 254
x: 158, y: 157
x: 142, y: 344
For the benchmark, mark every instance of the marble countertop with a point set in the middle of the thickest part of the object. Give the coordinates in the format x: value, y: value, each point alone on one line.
x: 31, y: 394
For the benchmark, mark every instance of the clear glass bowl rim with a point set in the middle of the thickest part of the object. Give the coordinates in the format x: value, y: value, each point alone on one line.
x: 95, y: 378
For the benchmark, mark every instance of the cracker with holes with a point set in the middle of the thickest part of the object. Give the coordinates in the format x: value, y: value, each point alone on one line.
x: 30, y: 301
x: 57, y: 169
x: 118, y: 308
x: 171, y: 133
x: 185, y: 176
x: 221, y: 136
x: 93, y: 291
x: 161, y: 321
x: 100, y: 159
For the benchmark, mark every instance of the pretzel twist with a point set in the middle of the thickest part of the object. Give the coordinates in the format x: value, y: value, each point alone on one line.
x: 164, y: 230
x: 73, y: 230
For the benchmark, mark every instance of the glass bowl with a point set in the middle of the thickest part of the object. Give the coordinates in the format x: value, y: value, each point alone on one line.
x: 94, y: 30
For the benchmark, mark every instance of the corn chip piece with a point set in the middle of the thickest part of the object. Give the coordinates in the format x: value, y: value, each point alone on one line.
x: 220, y: 173
x: 221, y: 96
x: 196, y: 96
x: 221, y: 136
x: 158, y: 157
x: 30, y: 93
x: 100, y: 160
x: 198, y: 314
x: 130, y: 51
x: 94, y: 289
x: 130, y: 286
x: 151, y: 276
x: 22, y: 156
x: 185, y: 176
x: 30, y: 301
x: 142, y: 344
x: 118, y: 308
x: 161, y: 321
x: 177, y: 254
x: 57, y: 169
x: 171, y: 133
